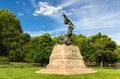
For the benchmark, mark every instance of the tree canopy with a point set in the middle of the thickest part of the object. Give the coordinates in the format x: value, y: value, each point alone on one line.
x: 40, y: 49
x: 15, y: 45
x: 12, y: 37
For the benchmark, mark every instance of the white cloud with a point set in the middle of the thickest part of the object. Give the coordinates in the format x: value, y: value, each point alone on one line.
x: 68, y: 3
x: 32, y: 34
x: 35, y: 14
x: 54, y: 32
x: 88, y: 6
x: 34, y: 4
x: 20, y: 14
x: 85, y: 14
x: 21, y: 2
x: 99, y: 21
x: 46, y: 9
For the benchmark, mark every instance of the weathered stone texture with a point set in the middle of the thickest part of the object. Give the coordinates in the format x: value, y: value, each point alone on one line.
x: 66, y: 59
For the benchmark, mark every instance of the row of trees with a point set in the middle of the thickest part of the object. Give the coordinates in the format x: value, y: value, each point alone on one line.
x: 18, y: 46
x: 99, y: 48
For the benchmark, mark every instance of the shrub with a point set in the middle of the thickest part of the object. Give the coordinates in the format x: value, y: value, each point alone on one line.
x: 4, y: 60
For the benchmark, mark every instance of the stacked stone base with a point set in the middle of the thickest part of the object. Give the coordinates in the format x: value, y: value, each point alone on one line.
x: 66, y: 60
x: 66, y: 71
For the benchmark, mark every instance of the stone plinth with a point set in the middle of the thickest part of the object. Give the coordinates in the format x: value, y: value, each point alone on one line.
x: 66, y: 59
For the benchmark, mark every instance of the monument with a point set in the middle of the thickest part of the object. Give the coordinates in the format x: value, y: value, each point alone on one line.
x: 66, y: 58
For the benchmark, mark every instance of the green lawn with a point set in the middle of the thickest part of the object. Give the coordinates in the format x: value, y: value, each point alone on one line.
x: 29, y: 73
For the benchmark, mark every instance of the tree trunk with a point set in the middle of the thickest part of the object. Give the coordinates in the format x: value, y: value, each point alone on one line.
x: 101, y: 63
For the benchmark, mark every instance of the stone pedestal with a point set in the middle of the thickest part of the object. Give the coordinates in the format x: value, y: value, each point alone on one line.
x: 67, y: 60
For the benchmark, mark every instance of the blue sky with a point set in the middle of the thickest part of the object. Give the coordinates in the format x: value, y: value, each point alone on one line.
x: 89, y: 16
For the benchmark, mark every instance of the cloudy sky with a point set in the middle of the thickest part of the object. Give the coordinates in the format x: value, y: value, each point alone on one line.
x: 89, y: 16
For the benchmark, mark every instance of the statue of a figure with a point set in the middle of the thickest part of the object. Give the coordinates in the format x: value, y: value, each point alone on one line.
x: 67, y: 39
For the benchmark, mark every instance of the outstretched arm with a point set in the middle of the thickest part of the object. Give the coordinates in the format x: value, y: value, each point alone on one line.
x: 66, y: 20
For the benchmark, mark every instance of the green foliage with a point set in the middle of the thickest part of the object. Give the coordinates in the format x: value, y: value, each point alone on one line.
x: 12, y: 38
x: 17, y: 65
x: 104, y: 48
x: 116, y: 54
x: 75, y: 39
x: 3, y: 60
x: 19, y: 46
x: 40, y: 49
x: 56, y: 39
x: 86, y: 48
x: 99, y: 49
x: 10, y: 29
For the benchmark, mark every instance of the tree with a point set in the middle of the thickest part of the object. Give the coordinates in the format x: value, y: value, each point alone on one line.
x: 116, y: 54
x: 104, y: 47
x: 12, y: 38
x: 20, y: 48
x: 86, y: 48
x: 10, y: 28
x: 41, y: 48
x: 74, y: 39
x: 56, y: 39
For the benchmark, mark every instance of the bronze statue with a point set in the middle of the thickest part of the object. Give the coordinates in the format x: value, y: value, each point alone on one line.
x: 67, y: 39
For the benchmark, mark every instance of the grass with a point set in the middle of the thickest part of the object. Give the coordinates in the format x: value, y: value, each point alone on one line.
x: 29, y: 73
x: 18, y: 65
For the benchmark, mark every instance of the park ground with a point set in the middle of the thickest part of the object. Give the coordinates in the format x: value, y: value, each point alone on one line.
x: 27, y: 71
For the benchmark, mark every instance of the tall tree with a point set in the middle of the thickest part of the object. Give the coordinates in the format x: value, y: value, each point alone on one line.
x: 10, y: 28
x: 104, y: 47
x: 12, y: 37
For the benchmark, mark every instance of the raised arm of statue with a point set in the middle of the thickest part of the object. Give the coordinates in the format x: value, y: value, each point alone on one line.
x: 66, y: 20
